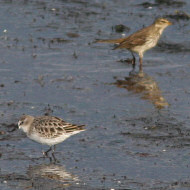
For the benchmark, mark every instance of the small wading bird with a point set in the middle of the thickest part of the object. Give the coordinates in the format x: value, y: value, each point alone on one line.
x: 142, y: 40
x: 48, y: 130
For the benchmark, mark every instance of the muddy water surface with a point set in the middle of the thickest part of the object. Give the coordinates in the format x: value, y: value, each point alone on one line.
x: 138, y: 132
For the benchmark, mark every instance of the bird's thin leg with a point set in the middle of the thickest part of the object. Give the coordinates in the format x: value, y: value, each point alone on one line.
x: 140, y: 61
x: 46, y: 153
x: 140, y: 65
x: 53, y: 150
x: 133, y: 60
x: 133, y: 66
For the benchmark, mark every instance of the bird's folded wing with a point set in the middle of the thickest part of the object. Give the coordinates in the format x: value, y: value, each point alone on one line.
x: 137, y: 39
x: 53, y: 127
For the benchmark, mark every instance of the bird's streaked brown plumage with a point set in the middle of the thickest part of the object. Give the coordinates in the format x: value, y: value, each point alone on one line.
x: 142, y: 40
x: 53, y: 127
x: 48, y: 130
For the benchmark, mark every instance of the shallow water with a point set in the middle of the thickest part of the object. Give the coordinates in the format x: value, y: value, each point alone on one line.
x: 138, y: 133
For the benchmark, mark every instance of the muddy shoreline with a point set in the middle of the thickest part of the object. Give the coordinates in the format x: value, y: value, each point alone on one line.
x: 138, y: 133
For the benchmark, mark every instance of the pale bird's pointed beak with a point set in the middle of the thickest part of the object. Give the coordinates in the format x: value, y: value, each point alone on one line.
x: 170, y: 23
x: 19, y: 125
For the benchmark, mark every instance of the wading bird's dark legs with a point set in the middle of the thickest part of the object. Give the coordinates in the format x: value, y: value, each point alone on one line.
x: 133, y: 66
x: 53, y: 150
x: 133, y: 60
x: 46, y: 153
x: 140, y: 61
x: 53, y: 156
x: 140, y: 65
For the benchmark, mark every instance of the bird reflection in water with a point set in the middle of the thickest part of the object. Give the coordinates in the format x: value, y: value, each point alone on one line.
x: 51, y: 176
x: 141, y: 83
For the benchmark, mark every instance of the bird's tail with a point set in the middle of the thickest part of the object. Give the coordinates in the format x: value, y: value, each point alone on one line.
x: 69, y: 128
x: 112, y: 41
x: 81, y: 127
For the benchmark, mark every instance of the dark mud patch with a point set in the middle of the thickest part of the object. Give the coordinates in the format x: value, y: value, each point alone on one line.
x: 169, y: 3
x: 173, y: 48
x: 54, y: 40
x: 120, y: 28
x: 179, y: 15
x: 50, y: 67
x: 162, y: 129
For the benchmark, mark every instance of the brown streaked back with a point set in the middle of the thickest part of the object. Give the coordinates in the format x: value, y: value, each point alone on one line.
x: 136, y: 39
x: 53, y: 127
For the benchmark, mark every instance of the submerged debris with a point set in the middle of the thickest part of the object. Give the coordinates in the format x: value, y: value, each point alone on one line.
x: 73, y: 35
x: 179, y: 15
x: 170, y: 3
x: 120, y: 28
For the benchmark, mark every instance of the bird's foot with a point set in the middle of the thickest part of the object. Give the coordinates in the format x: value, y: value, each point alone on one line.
x: 45, y: 154
x: 54, y: 158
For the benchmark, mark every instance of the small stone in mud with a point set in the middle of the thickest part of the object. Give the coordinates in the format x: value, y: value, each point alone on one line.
x: 48, y: 110
x: 121, y: 28
x: 58, y: 40
x: 72, y: 35
x: 82, y: 140
x: 147, y: 4
x: 75, y: 55
x: 2, y: 132
x: 99, y: 32
x: 10, y: 103
x: 2, y: 85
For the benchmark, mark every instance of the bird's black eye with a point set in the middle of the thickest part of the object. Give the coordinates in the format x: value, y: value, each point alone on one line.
x: 21, y: 122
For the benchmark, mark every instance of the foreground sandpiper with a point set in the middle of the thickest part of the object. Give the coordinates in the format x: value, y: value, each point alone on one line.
x: 142, y: 40
x: 48, y: 130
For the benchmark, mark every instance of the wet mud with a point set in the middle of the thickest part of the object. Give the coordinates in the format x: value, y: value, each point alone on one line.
x: 138, y: 122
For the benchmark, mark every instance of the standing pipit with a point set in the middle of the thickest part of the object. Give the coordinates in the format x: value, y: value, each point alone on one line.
x: 48, y: 130
x: 142, y: 40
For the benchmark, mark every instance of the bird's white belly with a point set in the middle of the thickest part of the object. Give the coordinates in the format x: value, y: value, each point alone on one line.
x: 48, y: 141
x: 148, y: 45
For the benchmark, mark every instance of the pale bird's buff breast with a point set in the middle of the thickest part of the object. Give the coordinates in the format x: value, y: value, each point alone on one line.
x: 150, y: 43
x: 142, y: 40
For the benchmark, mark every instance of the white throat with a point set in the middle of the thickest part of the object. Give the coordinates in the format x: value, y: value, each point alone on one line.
x: 25, y: 128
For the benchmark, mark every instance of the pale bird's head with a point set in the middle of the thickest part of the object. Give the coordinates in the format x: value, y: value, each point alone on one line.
x: 162, y: 23
x: 24, y: 122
